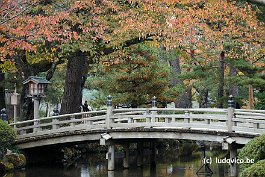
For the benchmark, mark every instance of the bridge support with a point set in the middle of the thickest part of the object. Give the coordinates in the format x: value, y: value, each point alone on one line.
x: 230, y: 113
x: 36, y: 113
x: 153, y: 154
x: 111, y: 157
x: 109, y: 112
x: 153, y: 113
x: 126, y: 156
x: 139, y: 154
x: 110, y: 173
x: 233, y: 155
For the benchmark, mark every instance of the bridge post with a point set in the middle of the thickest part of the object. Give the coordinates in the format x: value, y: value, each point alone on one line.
x: 230, y: 113
x: 126, y: 155
x: 55, y: 121
x: 233, y: 155
x: 256, y: 126
x: 72, y: 124
x: 139, y: 154
x: 110, y: 173
x: 153, y: 154
x: 111, y: 157
x: 153, y: 113
x: 187, y: 117
x: 109, y: 111
x: 36, y: 112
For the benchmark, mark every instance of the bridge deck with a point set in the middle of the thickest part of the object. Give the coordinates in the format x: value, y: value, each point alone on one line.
x: 171, y: 123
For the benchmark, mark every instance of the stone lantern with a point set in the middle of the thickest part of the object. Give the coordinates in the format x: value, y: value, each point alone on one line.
x: 36, y: 86
x: 14, y: 102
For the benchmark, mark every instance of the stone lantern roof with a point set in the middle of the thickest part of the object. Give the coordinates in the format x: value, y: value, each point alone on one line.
x: 36, y: 80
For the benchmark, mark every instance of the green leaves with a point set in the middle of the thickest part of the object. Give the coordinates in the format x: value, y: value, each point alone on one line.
x: 7, y: 136
x: 135, y: 77
x: 255, y: 150
x: 255, y: 170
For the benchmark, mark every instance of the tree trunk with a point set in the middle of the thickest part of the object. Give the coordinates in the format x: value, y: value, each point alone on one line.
x: 75, y: 78
x: 176, y: 70
x: 184, y: 100
x: 203, y: 98
x: 258, y: 1
x: 27, y: 106
x: 220, y: 94
x: 233, y: 89
x: 2, y: 90
x: 251, y: 96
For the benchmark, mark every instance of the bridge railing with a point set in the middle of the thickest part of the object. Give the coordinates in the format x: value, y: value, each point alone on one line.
x: 247, y: 121
x: 251, y: 121
x: 61, y: 123
x: 170, y: 118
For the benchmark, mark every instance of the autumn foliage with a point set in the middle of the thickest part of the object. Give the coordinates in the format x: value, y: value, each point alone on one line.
x: 96, y: 25
x: 44, y: 31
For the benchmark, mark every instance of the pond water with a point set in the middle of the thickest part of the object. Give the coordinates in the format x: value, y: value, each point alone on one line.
x: 94, y: 165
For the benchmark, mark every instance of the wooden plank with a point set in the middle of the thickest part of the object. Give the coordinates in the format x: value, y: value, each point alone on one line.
x: 59, y: 116
x: 130, y: 113
x: 249, y: 117
x: 131, y: 116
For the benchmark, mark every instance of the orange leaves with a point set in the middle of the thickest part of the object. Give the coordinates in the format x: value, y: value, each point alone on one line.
x: 75, y: 35
x: 18, y: 45
x: 225, y: 7
x: 204, y: 24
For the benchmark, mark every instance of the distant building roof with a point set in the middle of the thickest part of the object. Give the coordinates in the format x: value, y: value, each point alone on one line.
x: 36, y: 80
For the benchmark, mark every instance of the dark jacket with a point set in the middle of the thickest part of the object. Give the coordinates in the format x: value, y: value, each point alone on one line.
x: 4, y: 117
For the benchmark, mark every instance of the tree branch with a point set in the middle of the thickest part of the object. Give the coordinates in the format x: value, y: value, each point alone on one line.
x: 52, y: 69
x: 258, y: 1
x: 19, y: 13
x: 128, y: 43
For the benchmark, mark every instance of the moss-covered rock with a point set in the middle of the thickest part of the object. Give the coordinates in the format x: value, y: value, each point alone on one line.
x: 17, y: 174
x: 18, y: 160
x: 22, y: 160
x: 8, y: 166
x: 255, y: 170
x: 255, y: 150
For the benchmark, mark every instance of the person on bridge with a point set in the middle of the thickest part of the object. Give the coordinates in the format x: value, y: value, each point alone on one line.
x: 85, y: 107
x: 4, y: 115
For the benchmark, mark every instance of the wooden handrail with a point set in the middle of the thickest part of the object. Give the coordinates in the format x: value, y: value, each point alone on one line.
x: 212, y: 119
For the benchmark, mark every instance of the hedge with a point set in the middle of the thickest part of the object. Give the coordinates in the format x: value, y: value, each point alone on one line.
x: 7, y: 137
x: 255, y: 170
x: 255, y: 150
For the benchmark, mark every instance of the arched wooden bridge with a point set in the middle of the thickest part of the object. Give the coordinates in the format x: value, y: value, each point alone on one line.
x: 219, y: 125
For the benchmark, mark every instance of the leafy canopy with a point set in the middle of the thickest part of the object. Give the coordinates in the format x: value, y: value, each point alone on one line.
x: 99, y: 27
x: 134, y: 77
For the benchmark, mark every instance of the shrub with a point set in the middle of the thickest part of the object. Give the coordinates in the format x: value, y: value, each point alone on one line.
x: 255, y: 150
x: 7, y: 137
x: 8, y: 166
x: 255, y: 170
x: 18, y: 160
x: 22, y: 160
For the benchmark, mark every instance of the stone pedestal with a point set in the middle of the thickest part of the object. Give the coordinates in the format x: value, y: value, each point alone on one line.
x: 111, y: 158
x: 153, y: 154
x: 233, y: 166
x: 126, y: 156
x: 139, y: 154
